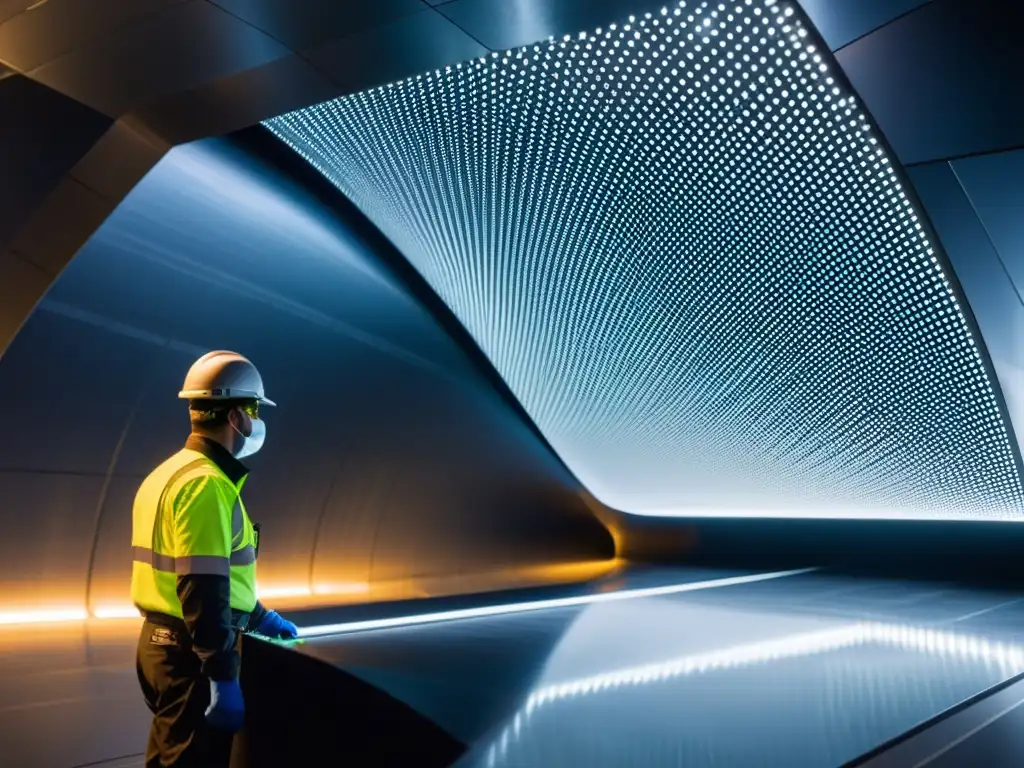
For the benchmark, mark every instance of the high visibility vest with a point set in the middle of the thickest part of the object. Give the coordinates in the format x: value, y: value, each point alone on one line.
x: 188, y: 518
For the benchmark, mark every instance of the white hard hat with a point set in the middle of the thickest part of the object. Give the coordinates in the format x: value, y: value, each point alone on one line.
x: 223, y: 375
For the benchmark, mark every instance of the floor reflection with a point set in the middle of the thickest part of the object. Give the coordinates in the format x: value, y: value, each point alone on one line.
x: 700, y: 681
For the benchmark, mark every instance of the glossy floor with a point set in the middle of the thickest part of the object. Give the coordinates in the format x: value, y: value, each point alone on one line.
x: 810, y: 670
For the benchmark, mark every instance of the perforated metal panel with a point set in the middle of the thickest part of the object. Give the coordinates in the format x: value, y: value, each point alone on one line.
x: 679, y: 242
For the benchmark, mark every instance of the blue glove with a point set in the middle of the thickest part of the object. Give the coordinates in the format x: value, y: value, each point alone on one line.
x: 274, y: 626
x: 227, y: 709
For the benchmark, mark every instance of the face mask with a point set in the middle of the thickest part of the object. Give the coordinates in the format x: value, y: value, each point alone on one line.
x: 251, y: 443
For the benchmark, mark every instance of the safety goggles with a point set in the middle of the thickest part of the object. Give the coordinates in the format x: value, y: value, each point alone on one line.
x: 252, y: 409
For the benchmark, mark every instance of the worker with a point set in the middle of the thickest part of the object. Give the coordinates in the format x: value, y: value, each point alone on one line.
x: 194, y: 569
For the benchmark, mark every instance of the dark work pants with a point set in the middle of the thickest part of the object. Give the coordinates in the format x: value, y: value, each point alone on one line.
x: 177, y: 694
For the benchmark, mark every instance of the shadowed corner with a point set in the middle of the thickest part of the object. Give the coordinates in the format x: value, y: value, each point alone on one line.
x: 311, y: 713
x: 645, y: 539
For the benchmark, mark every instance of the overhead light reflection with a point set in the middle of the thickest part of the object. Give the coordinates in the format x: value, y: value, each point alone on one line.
x: 1007, y: 656
x: 538, y: 605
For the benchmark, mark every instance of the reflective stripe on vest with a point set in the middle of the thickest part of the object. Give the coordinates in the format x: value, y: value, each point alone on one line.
x: 195, y: 564
x: 184, y: 492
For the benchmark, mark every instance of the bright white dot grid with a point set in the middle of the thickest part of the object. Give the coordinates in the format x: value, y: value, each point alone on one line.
x: 682, y: 247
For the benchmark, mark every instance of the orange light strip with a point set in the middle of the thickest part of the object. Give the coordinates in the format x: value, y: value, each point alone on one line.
x: 47, y: 616
x: 293, y: 594
x: 66, y: 614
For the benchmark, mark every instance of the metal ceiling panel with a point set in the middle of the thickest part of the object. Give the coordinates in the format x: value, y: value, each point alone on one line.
x: 47, y: 135
x: 995, y: 186
x: 180, y: 48
x: 945, y: 80
x: 119, y: 160
x: 840, y: 22
x: 11, y: 8
x: 310, y: 23
x: 503, y: 24
x: 104, y: 371
x: 62, y: 225
x: 42, y: 550
x: 684, y: 248
x: 57, y: 27
x: 402, y: 48
x: 237, y: 101
x: 23, y: 285
x: 994, y: 302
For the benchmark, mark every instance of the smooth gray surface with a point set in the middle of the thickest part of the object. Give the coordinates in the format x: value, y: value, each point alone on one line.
x: 944, y: 80
x: 402, y: 48
x: 47, y: 242
x: 995, y: 186
x: 500, y: 24
x: 178, y: 48
x: 47, y: 522
x: 982, y: 273
x: 11, y: 8
x: 840, y: 22
x: 390, y: 457
x: 938, y: 745
x: 468, y: 676
x: 996, y: 743
x: 69, y: 696
x: 736, y: 678
x: 58, y: 27
x: 50, y: 134
x: 306, y: 24
x: 240, y: 99
x: 26, y: 282
x: 810, y: 670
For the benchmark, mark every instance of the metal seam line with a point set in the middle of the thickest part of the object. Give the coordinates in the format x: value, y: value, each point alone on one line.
x: 988, y: 235
x: 540, y: 605
x: 983, y: 611
x: 968, y: 735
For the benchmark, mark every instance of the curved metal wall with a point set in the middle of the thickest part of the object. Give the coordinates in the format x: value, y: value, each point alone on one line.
x: 976, y: 204
x: 684, y: 246
x: 390, y: 459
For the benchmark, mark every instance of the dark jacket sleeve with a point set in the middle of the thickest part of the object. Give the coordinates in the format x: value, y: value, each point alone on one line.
x: 206, y: 608
x: 256, y: 616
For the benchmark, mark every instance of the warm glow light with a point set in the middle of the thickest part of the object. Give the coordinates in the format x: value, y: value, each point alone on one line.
x: 538, y: 605
x: 299, y: 596
x: 347, y: 588
x: 289, y: 591
x: 562, y: 572
x: 43, y: 616
x: 116, y: 612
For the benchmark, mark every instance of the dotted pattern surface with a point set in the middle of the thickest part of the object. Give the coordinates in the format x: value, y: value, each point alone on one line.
x: 678, y: 241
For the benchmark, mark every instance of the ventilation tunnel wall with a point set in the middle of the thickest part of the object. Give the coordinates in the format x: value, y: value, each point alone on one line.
x: 391, y: 463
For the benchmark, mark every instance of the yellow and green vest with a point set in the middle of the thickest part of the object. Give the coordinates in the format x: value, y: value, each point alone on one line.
x: 189, y: 518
